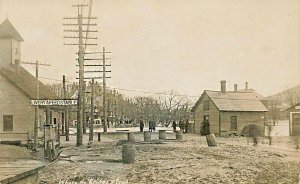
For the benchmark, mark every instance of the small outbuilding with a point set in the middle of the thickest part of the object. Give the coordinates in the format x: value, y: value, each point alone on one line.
x: 294, y: 120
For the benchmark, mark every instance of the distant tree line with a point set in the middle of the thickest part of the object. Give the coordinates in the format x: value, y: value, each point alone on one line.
x: 121, y: 109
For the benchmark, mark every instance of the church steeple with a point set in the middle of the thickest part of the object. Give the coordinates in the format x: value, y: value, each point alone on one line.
x: 10, y: 50
x: 7, y: 30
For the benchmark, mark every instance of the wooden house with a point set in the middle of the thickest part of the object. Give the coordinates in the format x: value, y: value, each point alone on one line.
x: 228, y: 111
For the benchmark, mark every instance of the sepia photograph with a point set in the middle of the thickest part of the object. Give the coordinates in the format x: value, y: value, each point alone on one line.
x: 149, y: 91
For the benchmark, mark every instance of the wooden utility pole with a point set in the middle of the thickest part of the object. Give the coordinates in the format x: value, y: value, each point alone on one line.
x: 81, y: 52
x: 48, y: 122
x: 91, y: 135
x: 36, y: 109
x: 103, y: 77
x: 89, y: 22
x: 115, y: 108
x: 63, y: 123
x: 66, y: 113
x: 84, y: 108
x: 85, y: 47
x: 122, y: 112
x: 104, y: 91
x: 108, y: 108
x: 81, y: 78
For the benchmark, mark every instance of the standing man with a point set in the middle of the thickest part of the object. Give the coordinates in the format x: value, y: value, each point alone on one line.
x: 269, y: 134
x: 150, y: 126
x: 174, y: 126
x: 141, y: 124
x: 153, y: 125
x: 181, y: 125
x: 205, y: 127
x: 186, y: 126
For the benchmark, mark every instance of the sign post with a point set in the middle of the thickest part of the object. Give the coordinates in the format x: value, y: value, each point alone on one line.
x: 48, y: 137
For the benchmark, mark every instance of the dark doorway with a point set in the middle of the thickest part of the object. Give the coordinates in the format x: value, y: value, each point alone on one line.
x: 296, y: 124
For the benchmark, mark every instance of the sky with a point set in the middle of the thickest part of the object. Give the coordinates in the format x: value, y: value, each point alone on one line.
x: 182, y: 45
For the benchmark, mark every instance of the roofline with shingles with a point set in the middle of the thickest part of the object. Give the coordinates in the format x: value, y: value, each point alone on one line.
x: 293, y: 106
x: 200, y: 100
x: 24, y: 91
x: 205, y: 92
x: 18, y: 87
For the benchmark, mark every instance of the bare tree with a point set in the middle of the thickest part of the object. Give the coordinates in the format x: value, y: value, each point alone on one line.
x: 292, y: 97
x: 274, y: 110
x: 173, y: 107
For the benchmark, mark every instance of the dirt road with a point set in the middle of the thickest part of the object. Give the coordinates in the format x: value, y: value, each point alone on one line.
x: 189, y: 161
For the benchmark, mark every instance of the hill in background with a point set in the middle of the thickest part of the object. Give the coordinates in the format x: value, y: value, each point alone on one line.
x: 287, y: 98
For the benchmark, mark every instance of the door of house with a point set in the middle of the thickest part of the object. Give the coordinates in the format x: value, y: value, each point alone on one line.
x: 295, y: 124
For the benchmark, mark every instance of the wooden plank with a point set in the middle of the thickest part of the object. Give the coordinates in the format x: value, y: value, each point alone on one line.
x: 13, y: 171
x: 6, y: 176
x: 18, y: 176
x: 24, y: 166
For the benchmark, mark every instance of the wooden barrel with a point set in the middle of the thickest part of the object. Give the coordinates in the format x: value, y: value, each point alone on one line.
x: 147, y: 136
x: 211, y: 140
x: 162, y: 135
x: 128, y: 153
x: 178, y: 135
x: 130, y: 137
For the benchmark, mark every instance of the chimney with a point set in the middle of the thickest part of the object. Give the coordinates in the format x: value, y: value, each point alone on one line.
x: 246, y: 86
x: 235, y: 87
x: 223, y: 86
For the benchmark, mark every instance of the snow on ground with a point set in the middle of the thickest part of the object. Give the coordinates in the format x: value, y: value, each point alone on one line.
x: 234, y: 160
x: 188, y: 161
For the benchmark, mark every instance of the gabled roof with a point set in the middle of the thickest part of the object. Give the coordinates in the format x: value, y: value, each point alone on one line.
x: 198, y: 102
x: 234, y: 101
x: 24, y: 81
x: 293, y: 107
x: 7, y: 30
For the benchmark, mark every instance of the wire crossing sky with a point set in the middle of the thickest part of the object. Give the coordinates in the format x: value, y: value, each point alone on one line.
x: 186, y: 46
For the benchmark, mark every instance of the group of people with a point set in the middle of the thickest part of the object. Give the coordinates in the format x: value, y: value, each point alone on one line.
x: 152, y: 125
x: 183, y: 126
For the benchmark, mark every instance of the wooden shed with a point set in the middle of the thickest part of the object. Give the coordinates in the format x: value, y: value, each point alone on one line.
x: 294, y: 120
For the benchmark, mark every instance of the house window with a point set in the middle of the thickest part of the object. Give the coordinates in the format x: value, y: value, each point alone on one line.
x: 205, y: 105
x: 233, y: 123
x: 8, y: 123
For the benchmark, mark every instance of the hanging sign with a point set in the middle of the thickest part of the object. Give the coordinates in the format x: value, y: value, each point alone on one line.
x: 53, y: 102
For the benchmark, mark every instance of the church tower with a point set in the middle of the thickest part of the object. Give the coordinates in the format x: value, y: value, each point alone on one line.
x: 10, y: 50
